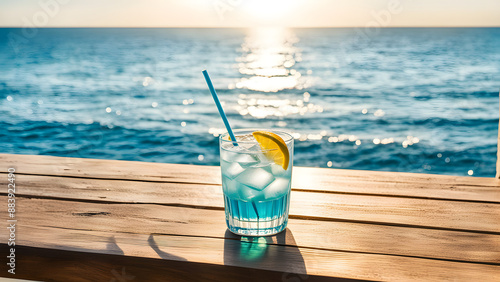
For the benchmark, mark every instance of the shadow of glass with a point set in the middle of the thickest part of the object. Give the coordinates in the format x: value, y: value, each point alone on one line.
x: 164, y: 255
x: 112, y: 246
x: 271, y: 253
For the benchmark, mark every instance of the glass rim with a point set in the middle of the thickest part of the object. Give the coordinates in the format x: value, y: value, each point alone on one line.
x: 281, y: 133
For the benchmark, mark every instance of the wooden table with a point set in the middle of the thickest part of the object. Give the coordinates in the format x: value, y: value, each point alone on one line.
x: 103, y: 220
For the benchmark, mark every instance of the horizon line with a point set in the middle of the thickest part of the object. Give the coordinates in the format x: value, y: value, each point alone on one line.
x: 239, y: 27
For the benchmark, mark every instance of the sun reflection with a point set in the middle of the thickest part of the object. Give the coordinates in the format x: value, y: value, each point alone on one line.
x: 268, y: 84
x: 262, y: 108
x: 386, y: 141
x: 216, y: 131
x: 306, y: 96
x: 267, y: 61
x: 322, y: 136
x: 379, y: 113
x: 410, y: 140
x: 147, y: 80
x: 268, y: 56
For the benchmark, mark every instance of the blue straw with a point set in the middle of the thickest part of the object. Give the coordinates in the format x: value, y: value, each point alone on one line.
x: 219, y: 106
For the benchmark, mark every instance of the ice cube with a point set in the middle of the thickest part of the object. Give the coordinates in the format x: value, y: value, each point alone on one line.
x: 278, y: 170
x: 262, y: 160
x: 244, y: 159
x: 227, y: 146
x: 277, y: 189
x: 227, y: 155
x: 230, y: 188
x: 245, y: 138
x: 231, y: 170
x: 244, y: 147
x: 249, y: 194
x: 256, y: 178
x: 248, y: 143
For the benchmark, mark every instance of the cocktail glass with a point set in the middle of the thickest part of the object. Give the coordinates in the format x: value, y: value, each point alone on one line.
x: 256, y: 189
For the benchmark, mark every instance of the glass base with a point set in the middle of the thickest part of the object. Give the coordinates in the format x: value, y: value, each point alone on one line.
x: 264, y: 218
x: 256, y: 229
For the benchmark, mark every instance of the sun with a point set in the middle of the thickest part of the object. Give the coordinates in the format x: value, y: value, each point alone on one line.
x: 269, y: 9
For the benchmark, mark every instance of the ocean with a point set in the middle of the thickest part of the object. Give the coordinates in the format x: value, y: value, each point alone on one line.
x: 397, y: 99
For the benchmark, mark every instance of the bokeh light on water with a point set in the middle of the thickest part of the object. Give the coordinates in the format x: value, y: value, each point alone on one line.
x: 417, y: 100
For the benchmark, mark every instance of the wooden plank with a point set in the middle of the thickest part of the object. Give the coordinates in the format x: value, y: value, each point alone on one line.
x: 58, y: 265
x: 441, y: 214
x: 426, y: 186
x: 498, y: 150
x: 111, y: 169
x: 307, y: 179
x: 50, y: 224
x: 187, y: 253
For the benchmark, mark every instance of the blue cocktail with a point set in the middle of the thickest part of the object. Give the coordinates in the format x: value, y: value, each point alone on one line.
x: 256, y: 179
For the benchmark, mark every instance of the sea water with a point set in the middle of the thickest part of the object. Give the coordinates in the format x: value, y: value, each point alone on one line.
x: 350, y: 102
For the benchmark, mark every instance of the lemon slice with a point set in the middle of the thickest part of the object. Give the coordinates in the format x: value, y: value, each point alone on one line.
x: 274, y: 147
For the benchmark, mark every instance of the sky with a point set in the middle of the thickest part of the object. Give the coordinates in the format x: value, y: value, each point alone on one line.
x: 249, y: 13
